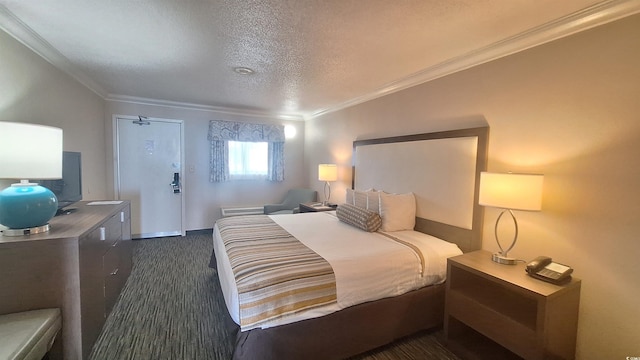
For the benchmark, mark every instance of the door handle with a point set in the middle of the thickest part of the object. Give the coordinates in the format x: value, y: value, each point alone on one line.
x: 176, y: 183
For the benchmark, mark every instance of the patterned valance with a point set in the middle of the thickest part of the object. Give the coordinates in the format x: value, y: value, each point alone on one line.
x: 241, y: 131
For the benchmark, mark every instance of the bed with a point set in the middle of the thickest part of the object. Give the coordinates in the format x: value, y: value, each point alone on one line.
x: 393, y: 288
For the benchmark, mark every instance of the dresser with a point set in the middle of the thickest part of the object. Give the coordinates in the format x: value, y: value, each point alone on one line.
x: 79, y: 266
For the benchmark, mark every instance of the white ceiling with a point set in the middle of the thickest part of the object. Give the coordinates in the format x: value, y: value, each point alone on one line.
x: 309, y: 57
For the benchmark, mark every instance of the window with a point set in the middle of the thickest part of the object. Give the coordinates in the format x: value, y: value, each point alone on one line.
x: 242, y: 150
x: 248, y: 160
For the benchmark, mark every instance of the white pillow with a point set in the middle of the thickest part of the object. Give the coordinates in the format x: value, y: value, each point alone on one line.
x: 367, y: 199
x: 350, y: 197
x: 398, y: 211
x: 373, y: 200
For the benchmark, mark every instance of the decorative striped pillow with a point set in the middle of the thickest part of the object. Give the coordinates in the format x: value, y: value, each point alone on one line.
x: 361, y: 218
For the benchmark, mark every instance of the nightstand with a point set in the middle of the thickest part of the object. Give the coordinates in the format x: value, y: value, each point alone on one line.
x: 495, y: 311
x: 316, y: 207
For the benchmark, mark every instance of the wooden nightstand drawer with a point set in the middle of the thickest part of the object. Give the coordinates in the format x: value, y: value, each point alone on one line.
x: 520, y: 337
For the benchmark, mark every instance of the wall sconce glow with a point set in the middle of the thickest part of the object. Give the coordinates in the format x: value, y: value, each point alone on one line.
x: 28, y: 151
x: 289, y: 131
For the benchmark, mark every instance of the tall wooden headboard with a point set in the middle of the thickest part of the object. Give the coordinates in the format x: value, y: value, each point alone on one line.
x: 442, y: 169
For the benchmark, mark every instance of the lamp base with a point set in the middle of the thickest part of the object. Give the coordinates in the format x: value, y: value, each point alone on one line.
x: 26, y: 231
x: 499, y: 258
x: 327, y: 195
x: 27, y: 206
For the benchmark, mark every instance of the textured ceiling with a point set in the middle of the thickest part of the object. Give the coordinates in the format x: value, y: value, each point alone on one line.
x: 309, y: 57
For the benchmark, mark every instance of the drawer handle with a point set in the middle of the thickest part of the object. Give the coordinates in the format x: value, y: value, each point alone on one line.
x: 103, y: 233
x: 114, y: 272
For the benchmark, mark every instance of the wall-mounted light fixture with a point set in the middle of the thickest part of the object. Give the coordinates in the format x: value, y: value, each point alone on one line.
x: 289, y: 131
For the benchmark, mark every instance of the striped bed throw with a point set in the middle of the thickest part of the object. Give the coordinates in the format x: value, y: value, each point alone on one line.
x: 275, y: 274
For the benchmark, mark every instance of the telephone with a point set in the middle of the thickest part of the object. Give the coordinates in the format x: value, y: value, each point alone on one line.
x: 543, y: 268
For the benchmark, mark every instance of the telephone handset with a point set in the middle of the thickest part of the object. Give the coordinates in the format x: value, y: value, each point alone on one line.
x: 544, y: 269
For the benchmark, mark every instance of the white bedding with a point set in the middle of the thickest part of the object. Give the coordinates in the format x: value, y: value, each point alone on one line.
x: 368, y: 266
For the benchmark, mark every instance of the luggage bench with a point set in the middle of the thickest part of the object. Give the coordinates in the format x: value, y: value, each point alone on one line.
x: 28, y: 335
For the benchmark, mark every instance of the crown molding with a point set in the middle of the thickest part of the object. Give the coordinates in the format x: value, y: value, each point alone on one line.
x: 596, y: 15
x: 29, y: 38
x: 34, y: 42
x: 200, y: 107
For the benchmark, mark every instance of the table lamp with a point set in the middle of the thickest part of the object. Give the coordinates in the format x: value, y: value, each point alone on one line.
x: 326, y: 173
x: 28, y: 151
x: 510, y: 192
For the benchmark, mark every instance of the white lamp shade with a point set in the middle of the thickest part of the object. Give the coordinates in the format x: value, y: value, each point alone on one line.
x: 511, y: 191
x: 327, y: 172
x: 29, y: 151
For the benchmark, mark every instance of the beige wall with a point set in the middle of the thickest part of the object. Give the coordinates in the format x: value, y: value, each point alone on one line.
x: 570, y: 110
x: 33, y: 91
x: 202, y: 198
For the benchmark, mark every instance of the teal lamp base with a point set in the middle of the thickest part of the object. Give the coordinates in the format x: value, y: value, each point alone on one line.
x: 26, y: 208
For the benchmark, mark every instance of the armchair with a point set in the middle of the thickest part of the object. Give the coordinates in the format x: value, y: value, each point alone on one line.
x: 291, y: 202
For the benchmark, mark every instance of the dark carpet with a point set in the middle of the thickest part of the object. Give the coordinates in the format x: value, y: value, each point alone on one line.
x: 172, y: 308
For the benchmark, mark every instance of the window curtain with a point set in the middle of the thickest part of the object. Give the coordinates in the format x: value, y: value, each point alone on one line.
x: 220, y: 132
x: 276, y: 161
x: 219, y: 161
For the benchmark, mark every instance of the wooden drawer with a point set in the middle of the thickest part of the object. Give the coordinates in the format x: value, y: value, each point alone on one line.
x: 116, y: 267
x: 113, y: 230
x: 111, y: 279
x: 101, y: 254
x: 125, y: 217
x: 103, y: 237
x: 492, y: 323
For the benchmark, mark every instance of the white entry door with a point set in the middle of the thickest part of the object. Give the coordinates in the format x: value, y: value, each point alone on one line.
x: 149, y: 174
